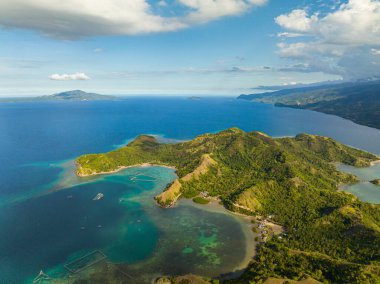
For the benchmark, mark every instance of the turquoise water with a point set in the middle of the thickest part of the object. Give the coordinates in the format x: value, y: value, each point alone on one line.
x: 48, y: 215
x: 365, y: 190
x: 125, y: 225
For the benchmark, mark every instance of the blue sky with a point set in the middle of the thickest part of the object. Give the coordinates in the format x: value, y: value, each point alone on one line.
x: 181, y: 47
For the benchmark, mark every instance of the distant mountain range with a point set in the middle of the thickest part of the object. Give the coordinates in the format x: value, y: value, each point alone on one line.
x: 356, y: 101
x: 75, y: 95
x: 296, y: 85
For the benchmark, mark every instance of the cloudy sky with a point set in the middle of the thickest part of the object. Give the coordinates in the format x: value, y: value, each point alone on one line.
x: 175, y: 47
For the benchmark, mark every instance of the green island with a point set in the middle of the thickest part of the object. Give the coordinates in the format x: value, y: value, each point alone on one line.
x: 327, y: 235
x: 375, y: 182
x: 74, y: 95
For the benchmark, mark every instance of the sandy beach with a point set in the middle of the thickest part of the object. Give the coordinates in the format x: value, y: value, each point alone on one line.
x: 144, y: 165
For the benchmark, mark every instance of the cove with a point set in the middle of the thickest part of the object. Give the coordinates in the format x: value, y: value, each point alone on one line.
x: 364, y: 189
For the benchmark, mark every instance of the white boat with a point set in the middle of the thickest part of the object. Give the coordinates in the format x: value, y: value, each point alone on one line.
x: 98, y: 196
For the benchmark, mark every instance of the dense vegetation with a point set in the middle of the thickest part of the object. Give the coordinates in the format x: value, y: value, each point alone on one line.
x: 330, y: 235
x: 359, y: 102
x: 201, y: 200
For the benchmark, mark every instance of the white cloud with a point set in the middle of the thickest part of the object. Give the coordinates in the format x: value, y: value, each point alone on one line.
x: 97, y: 50
x: 290, y: 84
x: 375, y: 51
x: 162, y: 3
x: 71, y: 19
x: 356, y: 23
x: 69, y: 77
x: 207, y: 10
x: 288, y: 34
x: 297, y: 20
x: 341, y: 42
x: 309, y: 50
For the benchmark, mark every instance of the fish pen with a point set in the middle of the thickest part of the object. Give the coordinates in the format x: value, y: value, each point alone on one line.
x: 85, y: 261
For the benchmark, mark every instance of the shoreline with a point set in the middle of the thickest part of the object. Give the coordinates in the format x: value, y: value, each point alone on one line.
x: 374, y: 163
x: 143, y: 165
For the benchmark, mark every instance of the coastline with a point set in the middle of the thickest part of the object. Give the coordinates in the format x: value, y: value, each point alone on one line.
x: 143, y: 165
x: 374, y: 163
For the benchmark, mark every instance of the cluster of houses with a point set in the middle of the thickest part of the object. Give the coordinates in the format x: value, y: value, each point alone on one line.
x: 203, y: 194
x: 267, y: 230
x: 264, y: 230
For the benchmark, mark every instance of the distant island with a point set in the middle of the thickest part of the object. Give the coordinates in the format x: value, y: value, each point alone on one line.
x: 75, y: 95
x: 194, y: 98
x: 327, y: 234
x: 376, y: 182
x: 357, y: 101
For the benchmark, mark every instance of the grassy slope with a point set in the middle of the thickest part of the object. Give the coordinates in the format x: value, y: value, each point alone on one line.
x: 331, y: 236
x: 357, y: 102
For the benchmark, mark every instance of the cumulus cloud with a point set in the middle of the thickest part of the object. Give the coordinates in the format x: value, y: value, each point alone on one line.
x: 343, y: 42
x: 69, y: 77
x: 297, y: 20
x: 71, y: 19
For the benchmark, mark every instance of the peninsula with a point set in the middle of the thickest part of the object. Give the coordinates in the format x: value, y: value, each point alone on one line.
x: 356, y: 101
x: 330, y: 235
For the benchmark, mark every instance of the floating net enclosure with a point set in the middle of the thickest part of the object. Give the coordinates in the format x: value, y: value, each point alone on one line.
x: 85, y: 261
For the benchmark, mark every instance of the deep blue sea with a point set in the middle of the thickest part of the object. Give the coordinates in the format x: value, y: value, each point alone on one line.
x: 48, y: 216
